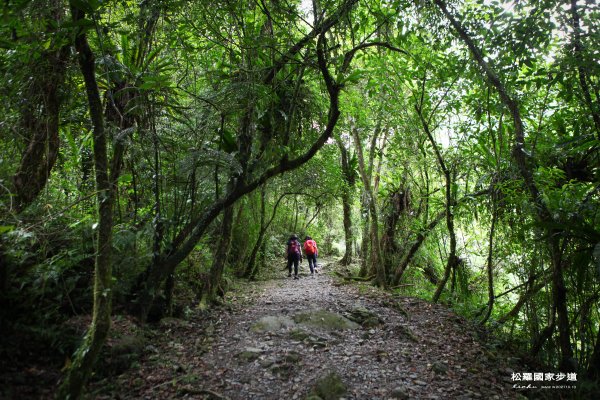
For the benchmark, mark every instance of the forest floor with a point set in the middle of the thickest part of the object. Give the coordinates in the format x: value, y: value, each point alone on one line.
x: 279, y: 338
x: 290, y: 339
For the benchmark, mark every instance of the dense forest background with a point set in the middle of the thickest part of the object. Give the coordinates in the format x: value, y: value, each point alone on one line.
x: 152, y: 151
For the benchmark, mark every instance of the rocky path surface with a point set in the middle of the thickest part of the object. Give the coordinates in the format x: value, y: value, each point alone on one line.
x: 314, y: 338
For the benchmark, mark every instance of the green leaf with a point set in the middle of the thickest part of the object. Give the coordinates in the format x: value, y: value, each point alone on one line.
x: 354, y: 77
x: 125, y: 178
x: 82, y: 23
x: 6, y: 228
x: 227, y: 143
x: 87, y: 6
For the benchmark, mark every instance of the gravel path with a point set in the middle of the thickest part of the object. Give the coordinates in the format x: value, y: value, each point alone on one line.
x: 413, y: 349
x: 418, y: 351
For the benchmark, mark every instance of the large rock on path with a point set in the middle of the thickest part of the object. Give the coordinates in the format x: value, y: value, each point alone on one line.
x: 325, y: 320
x: 272, y: 323
x: 316, y: 319
x: 330, y: 387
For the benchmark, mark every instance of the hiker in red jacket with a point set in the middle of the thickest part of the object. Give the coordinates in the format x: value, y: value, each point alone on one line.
x: 294, y: 255
x: 311, y: 251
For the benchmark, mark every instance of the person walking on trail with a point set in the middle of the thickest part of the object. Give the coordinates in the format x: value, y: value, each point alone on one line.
x: 311, y: 251
x: 294, y: 255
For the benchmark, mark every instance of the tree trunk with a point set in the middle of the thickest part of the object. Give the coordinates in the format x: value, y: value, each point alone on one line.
x: 415, y: 247
x: 582, y: 72
x: 365, y: 246
x: 348, y: 235
x: 211, y: 287
x: 295, y: 214
x: 593, y: 371
x: 40, y: 115
x: 251, y: 269
x: 375, y: 256
x: 453, y: 260
x: 398, y: 206
x: 169, y: 288
x: 159, y: 226
x: 524, y: 298
x: 347, y: 191
x: 541, y: 339
x: 86, y: 355
x: 4, y: 274
x: 559, y: 297
x: 490, y: 267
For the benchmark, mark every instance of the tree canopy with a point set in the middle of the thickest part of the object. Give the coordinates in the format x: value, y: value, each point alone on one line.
x: 447, y: 150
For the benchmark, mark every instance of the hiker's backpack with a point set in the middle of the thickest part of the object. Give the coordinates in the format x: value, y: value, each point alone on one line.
x: 293, y: 247
x: 310, y: 247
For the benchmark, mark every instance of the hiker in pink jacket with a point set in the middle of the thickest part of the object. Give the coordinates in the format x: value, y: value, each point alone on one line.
x: 294, y: 255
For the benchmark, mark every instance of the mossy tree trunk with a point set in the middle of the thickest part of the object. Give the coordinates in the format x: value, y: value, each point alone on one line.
x: 490, y: 266
x: 40, y: 112
x: 210, y: 291
x: 407, y: 258
x: 376, y: 258
x: 88, y: 352
x: 593, y: 372
x: 250, y: 270
x: 453, y: 260
x: 349, y: 176
x: 365, y: 243
x: 259, y: 246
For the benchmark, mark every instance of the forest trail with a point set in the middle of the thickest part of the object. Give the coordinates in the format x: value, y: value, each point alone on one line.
x: 286, y: 339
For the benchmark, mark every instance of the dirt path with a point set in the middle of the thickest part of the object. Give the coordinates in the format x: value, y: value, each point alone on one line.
x: 411, y: 349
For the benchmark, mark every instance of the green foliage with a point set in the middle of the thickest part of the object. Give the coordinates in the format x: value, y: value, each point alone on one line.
x: 187, y: 87
x: 48, y: 276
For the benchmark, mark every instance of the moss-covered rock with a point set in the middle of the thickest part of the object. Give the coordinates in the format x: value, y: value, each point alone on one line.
x: 292, y: 357
x: 364, y: 317
x: 439, y: 368
x: 250, y: 354
x: 406, y: 332
x: 123, y: 353
x: 399, y: 393
x: 282, y: 370
x: 272, y: 324
x: 322, y: 319
x: 330, y: 387
x: 171, y: 322
x: 299, y: 334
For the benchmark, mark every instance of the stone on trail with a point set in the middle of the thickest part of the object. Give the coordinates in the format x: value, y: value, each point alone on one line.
x: 402, y: 330
x: 399, y: 393
x: 299, y: 334
x: 250, y: 354
x: 292, y: 357
x: 123, y: 353
x: 267, y: 362
x: 331, y: 387
x: 326, y: 320
x: 171, y: 323
x: 439, y: 368
x: 272, y: 323
x: 282, y: 370
x: 367, y: 318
